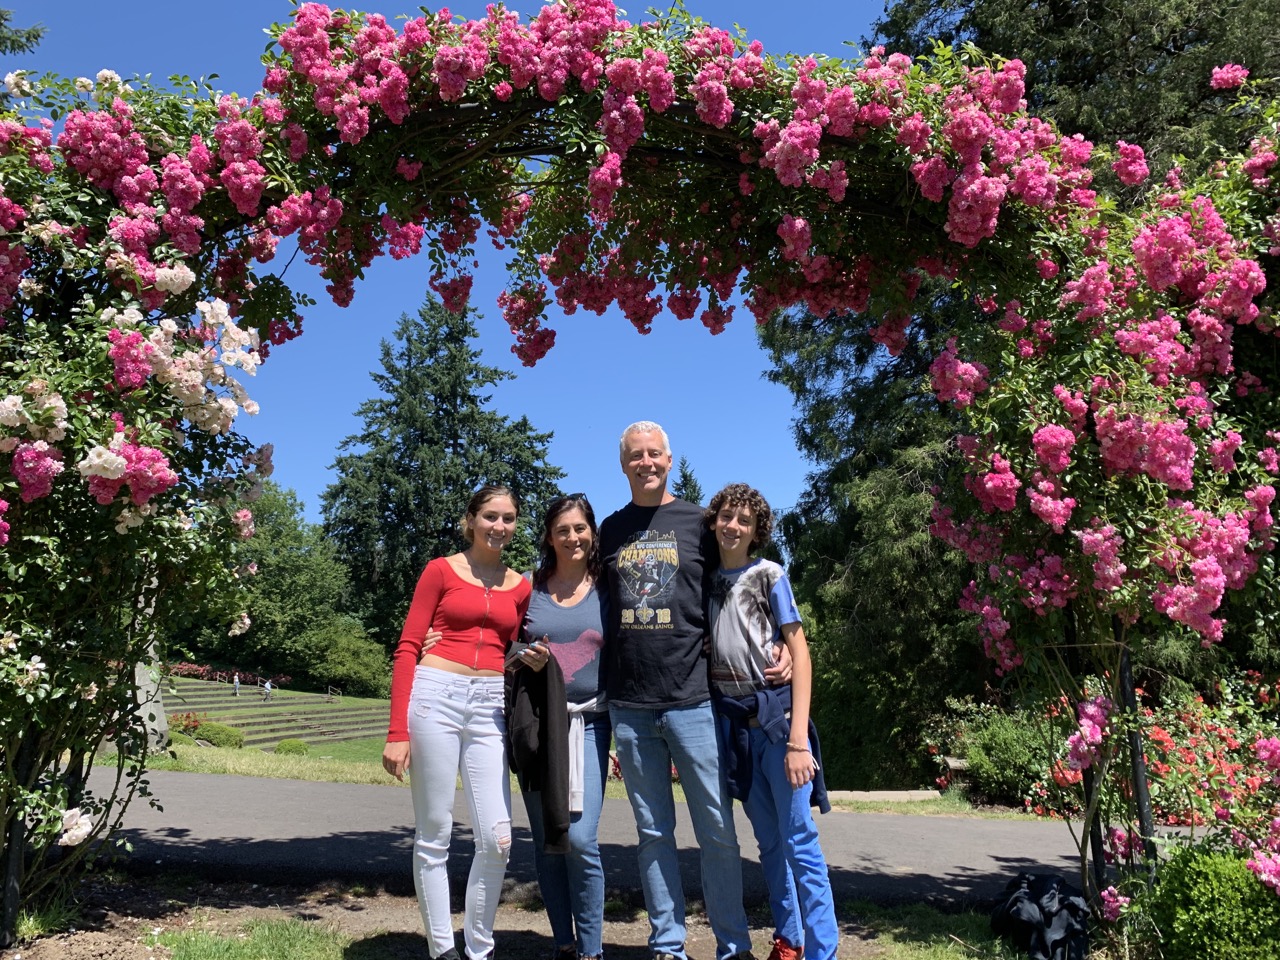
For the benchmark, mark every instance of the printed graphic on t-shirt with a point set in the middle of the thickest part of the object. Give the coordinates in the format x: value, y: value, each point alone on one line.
x: 576, y: 654
x: 647, y: 565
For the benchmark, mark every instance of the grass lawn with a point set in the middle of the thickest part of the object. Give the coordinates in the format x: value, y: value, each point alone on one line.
x: 294, y: 939
x: 348, y: 761
x: 359, y: 761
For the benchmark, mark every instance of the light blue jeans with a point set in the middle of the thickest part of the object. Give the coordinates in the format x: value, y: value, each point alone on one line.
x: 648, y: 740
x: 795, y: 871
x: 457, y: 727
x: 572, y: 883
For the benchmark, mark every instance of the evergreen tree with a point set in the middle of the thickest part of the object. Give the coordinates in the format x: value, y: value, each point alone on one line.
x: 429, y: 440
x: 687, y: 486
x: 294, y: 583
x: 15, y: 40
x: 887, y: 639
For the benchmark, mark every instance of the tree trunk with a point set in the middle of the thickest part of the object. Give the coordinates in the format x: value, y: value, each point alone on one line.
x: 146, y: 679
x: 1097, y: 851
x: 13, y: 857
x: 1138, y: 764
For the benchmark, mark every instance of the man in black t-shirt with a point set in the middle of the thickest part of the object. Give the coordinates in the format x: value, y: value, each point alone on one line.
x: 656, y: 553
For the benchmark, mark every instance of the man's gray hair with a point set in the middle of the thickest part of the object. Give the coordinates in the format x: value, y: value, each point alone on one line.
x: 643, y: 426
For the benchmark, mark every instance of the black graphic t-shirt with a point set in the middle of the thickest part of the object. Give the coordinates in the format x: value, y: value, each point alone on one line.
x: 656, y: 562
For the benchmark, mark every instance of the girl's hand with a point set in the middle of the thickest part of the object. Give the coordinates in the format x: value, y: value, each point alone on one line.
x: 780, y: 673
x: 430, y: 640
x: 395, y: 758
x: 536, y: 655
x: 800, y: 767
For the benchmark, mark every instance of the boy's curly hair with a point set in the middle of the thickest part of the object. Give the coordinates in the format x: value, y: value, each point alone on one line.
x: 739, y: 494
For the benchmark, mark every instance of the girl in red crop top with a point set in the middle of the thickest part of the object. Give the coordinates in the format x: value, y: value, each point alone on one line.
x: 447, y: 717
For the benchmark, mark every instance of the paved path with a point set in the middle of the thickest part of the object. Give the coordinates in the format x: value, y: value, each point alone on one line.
x: 284, y: 830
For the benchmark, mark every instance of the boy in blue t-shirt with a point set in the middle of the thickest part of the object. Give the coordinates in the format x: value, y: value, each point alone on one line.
x: 768, y: 739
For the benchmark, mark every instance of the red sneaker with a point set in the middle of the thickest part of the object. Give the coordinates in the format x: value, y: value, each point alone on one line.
x: 785, y: 951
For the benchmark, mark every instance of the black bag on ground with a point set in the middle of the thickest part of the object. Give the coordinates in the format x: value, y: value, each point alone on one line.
x: 1045, y: 916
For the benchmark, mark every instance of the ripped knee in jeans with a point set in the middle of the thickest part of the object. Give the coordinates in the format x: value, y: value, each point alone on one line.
x: 499, y: 841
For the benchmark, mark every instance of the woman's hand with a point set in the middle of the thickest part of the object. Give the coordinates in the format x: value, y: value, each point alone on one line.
x: 395, y: 758
x: 800, y: 767
x: 430, y: 640
x: 536, y: 654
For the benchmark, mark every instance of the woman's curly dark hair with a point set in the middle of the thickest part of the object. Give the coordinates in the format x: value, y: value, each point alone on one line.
x: 739, y: 494
x: 547, y: 552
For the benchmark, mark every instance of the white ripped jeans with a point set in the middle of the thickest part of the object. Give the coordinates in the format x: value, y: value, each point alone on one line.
x: 457, y: 727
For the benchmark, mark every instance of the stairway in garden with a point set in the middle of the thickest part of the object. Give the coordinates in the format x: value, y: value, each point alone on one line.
x: 312, y: 717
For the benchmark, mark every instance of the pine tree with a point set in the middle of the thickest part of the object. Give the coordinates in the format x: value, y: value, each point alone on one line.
x: 429, y: 440
x: 687, y: 486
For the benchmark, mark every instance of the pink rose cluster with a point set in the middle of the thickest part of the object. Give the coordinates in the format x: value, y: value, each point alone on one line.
x: 1228, y: 76
x: 993, y: 628
x: 1219, y: 553
x: 1103, y: 543
x: 1267, y: 750
x: 1123, y: 845
x: 145, y: 471
x: 956, y: 381
x: 980, y: 542
x: 1113, y: 904
x: 1093, y: 716
x: 35, y: 464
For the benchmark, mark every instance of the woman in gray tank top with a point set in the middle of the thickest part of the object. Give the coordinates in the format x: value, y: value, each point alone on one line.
x: 565, y: 621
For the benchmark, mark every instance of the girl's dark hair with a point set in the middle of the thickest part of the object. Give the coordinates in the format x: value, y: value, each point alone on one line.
x: 478, y: 499
x: 547, y: 552
x: 739, y: 494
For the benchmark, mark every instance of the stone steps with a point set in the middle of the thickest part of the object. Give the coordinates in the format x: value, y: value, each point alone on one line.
x: 313, y: 718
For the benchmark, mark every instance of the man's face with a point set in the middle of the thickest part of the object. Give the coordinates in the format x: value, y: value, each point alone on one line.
x: 646, y: 464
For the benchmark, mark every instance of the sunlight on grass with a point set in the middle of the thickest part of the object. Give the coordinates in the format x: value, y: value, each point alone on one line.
x: 293, y: 939
x: 53, y: 917
x: 950, y: 804
x: 358, y: 765
x: 917, y: 932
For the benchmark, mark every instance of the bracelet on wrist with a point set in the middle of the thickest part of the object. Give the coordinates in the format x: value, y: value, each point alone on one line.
x: 797, y: 746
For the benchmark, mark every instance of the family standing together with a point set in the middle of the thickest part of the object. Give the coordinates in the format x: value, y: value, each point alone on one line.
x: 658, y: 628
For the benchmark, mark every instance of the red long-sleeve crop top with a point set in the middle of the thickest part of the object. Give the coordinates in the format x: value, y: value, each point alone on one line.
x: 478, y: 624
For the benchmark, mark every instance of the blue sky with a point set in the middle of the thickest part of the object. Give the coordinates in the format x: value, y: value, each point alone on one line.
x: 707, y: 391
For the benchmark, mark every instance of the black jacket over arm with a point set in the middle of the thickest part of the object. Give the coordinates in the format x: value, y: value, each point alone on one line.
x: 538, y: 745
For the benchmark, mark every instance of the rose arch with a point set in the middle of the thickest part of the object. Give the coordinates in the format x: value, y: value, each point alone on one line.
x: 1119, y: 444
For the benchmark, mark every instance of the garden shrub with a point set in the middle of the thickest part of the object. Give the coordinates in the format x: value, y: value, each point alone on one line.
x: 1007, y: 755
x: 292, y: 746
x: 177, y: 736
x: 1209, y: 906
x: 188, y: 722
x: 221, y: 735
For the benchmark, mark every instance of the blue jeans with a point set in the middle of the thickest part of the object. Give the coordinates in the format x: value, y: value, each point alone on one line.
x: 790, y: 856
x: 572, y: 883
x: 648, y: 739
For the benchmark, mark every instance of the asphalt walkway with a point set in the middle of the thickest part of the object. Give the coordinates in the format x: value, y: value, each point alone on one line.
x: 282, y: 831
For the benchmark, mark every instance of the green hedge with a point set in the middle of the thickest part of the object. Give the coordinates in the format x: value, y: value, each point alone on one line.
x: 1007, y: 754
x: 220, y: 735
x: 292, y: 746
x: 1209, y: 906
x: 177, y: 736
